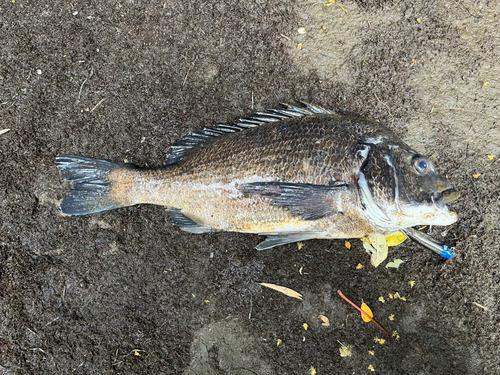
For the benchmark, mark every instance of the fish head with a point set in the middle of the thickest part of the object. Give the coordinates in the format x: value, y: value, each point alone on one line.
x: 400, y: 188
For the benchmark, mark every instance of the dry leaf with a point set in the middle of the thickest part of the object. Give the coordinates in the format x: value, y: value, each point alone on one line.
x: 476, y: 175
x: 371, y: 368
x: 491, y: 157
x: 347, y: 244
x: 326, y: 322
x: 377, y: 247
x: 412, y: 283
x: 395, y: 334
x: 395, y: 264
x: 391, y: 317
x: 279, y: 342
x: 287, y: 291
x: 391, y: 296
x: 299, y: 46
x: 136, y: 353
x: 300, y: 245
x: 419, y: 20
x: 367, y: 310
x: 312, y: 370
x: 372, y: 352
x: 345, y: 350
x: 359, y: 266
x: 485, y: 84
x: 380, y: 341
x: 306, y: 326
x: 381, y: 299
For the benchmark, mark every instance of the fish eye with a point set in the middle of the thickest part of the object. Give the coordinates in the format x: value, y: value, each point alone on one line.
x: 421, y: 165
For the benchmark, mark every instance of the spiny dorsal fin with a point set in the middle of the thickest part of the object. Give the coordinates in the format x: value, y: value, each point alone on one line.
x: 197, y: 138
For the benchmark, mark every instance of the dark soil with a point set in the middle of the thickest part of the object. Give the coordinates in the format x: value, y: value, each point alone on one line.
x: 126, y: 292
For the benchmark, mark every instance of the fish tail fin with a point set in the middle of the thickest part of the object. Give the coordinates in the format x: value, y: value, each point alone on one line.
x: 91, y: 185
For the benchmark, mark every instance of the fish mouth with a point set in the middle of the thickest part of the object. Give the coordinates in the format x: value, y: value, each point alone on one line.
x: 441, y: 199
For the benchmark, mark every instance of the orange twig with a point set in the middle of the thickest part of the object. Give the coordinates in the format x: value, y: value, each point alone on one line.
x: 363, y: 312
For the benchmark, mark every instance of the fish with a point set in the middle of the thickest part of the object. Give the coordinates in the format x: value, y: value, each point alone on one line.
x: 291, y: 174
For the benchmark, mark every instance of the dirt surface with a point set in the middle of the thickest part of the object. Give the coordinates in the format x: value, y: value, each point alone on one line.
x: 126, y: 292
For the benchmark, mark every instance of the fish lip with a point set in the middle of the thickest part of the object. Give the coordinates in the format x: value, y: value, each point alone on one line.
x: 442, y: 198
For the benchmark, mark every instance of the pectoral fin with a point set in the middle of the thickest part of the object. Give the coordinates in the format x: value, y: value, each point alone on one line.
x: 311, y: 202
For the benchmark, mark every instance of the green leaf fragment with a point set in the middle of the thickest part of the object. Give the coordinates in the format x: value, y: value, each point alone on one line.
x: 395, y: 264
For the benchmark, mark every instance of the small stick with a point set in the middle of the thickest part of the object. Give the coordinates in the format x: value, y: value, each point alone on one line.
x: 97, y: 105
x: 363, y: 312
x: 284, y: 36
x: 481, y: 306
x: 4, y: 131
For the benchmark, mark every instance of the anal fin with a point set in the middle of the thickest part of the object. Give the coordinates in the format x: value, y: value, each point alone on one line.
x: 185, y: 223
x: 286, y: 238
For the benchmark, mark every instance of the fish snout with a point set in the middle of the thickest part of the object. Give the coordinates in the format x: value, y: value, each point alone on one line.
x: 445, y: 197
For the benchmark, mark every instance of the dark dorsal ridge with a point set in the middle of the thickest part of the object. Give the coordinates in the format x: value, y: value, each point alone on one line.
x: 184, y: 146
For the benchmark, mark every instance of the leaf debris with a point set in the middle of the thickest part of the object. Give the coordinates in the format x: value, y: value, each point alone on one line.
x: 326, y: 321
x: 287, y: 291
x: 395, y: 264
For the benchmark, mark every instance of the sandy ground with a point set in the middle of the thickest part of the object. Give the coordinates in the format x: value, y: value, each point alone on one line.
x: 126, y: 292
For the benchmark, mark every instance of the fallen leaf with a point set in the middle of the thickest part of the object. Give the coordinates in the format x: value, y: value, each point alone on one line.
x: 326, y: 321
x: 347, y: 244
x: 491, y: 157
x: 324, y: 27
x: 380, y: 341
x: 306, y: 326
x: 279, y: 342
x: 136, y: 353
x: 367, y: 310
x: 312, y: 370
x: 372, y: 352
x: 391, y: 317
x: 485, y: 84
x: 299, y: 46
x: 371, y: 368
x: 419, y: 20
x: 412, y: 283
x: 391, y: 296
x: 395, y: 264
x: 377, y: 247
x: 287, y: 291
x: 359, y: 266
x: 395, y: 334
x: 476, y: 175
x: 381, y: 299
x: 345, y: 350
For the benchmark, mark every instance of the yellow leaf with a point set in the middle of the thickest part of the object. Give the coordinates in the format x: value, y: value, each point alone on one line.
x: 391, y: 296
x: 279, y: 342
x: 367, y: 310
x: 491, y: 157
x: 380, y: 341
x: 485, y: 84
x: 395, y: 334
x: 300, y: 245
x: 312, y: 370
x: 381, y: 299
x: 391, y: 317
x: 325, y: 320
x: 136, y: 353
x: 299, y: 46
x: 419, y: 20
x: 359, y: 266
x: 324, y: 27
x: 287, y: 291
x: 348, y: 244
x: 372, y: 352
x: 306, y: 326
x: 345, y: 350
x: 412, y: 283
x: 402, y: 298
x: 476, y: 175
x: 371, y: 368
x: 207, y: 301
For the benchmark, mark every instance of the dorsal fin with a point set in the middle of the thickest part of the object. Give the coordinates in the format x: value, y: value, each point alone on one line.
x: 184, y: 146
